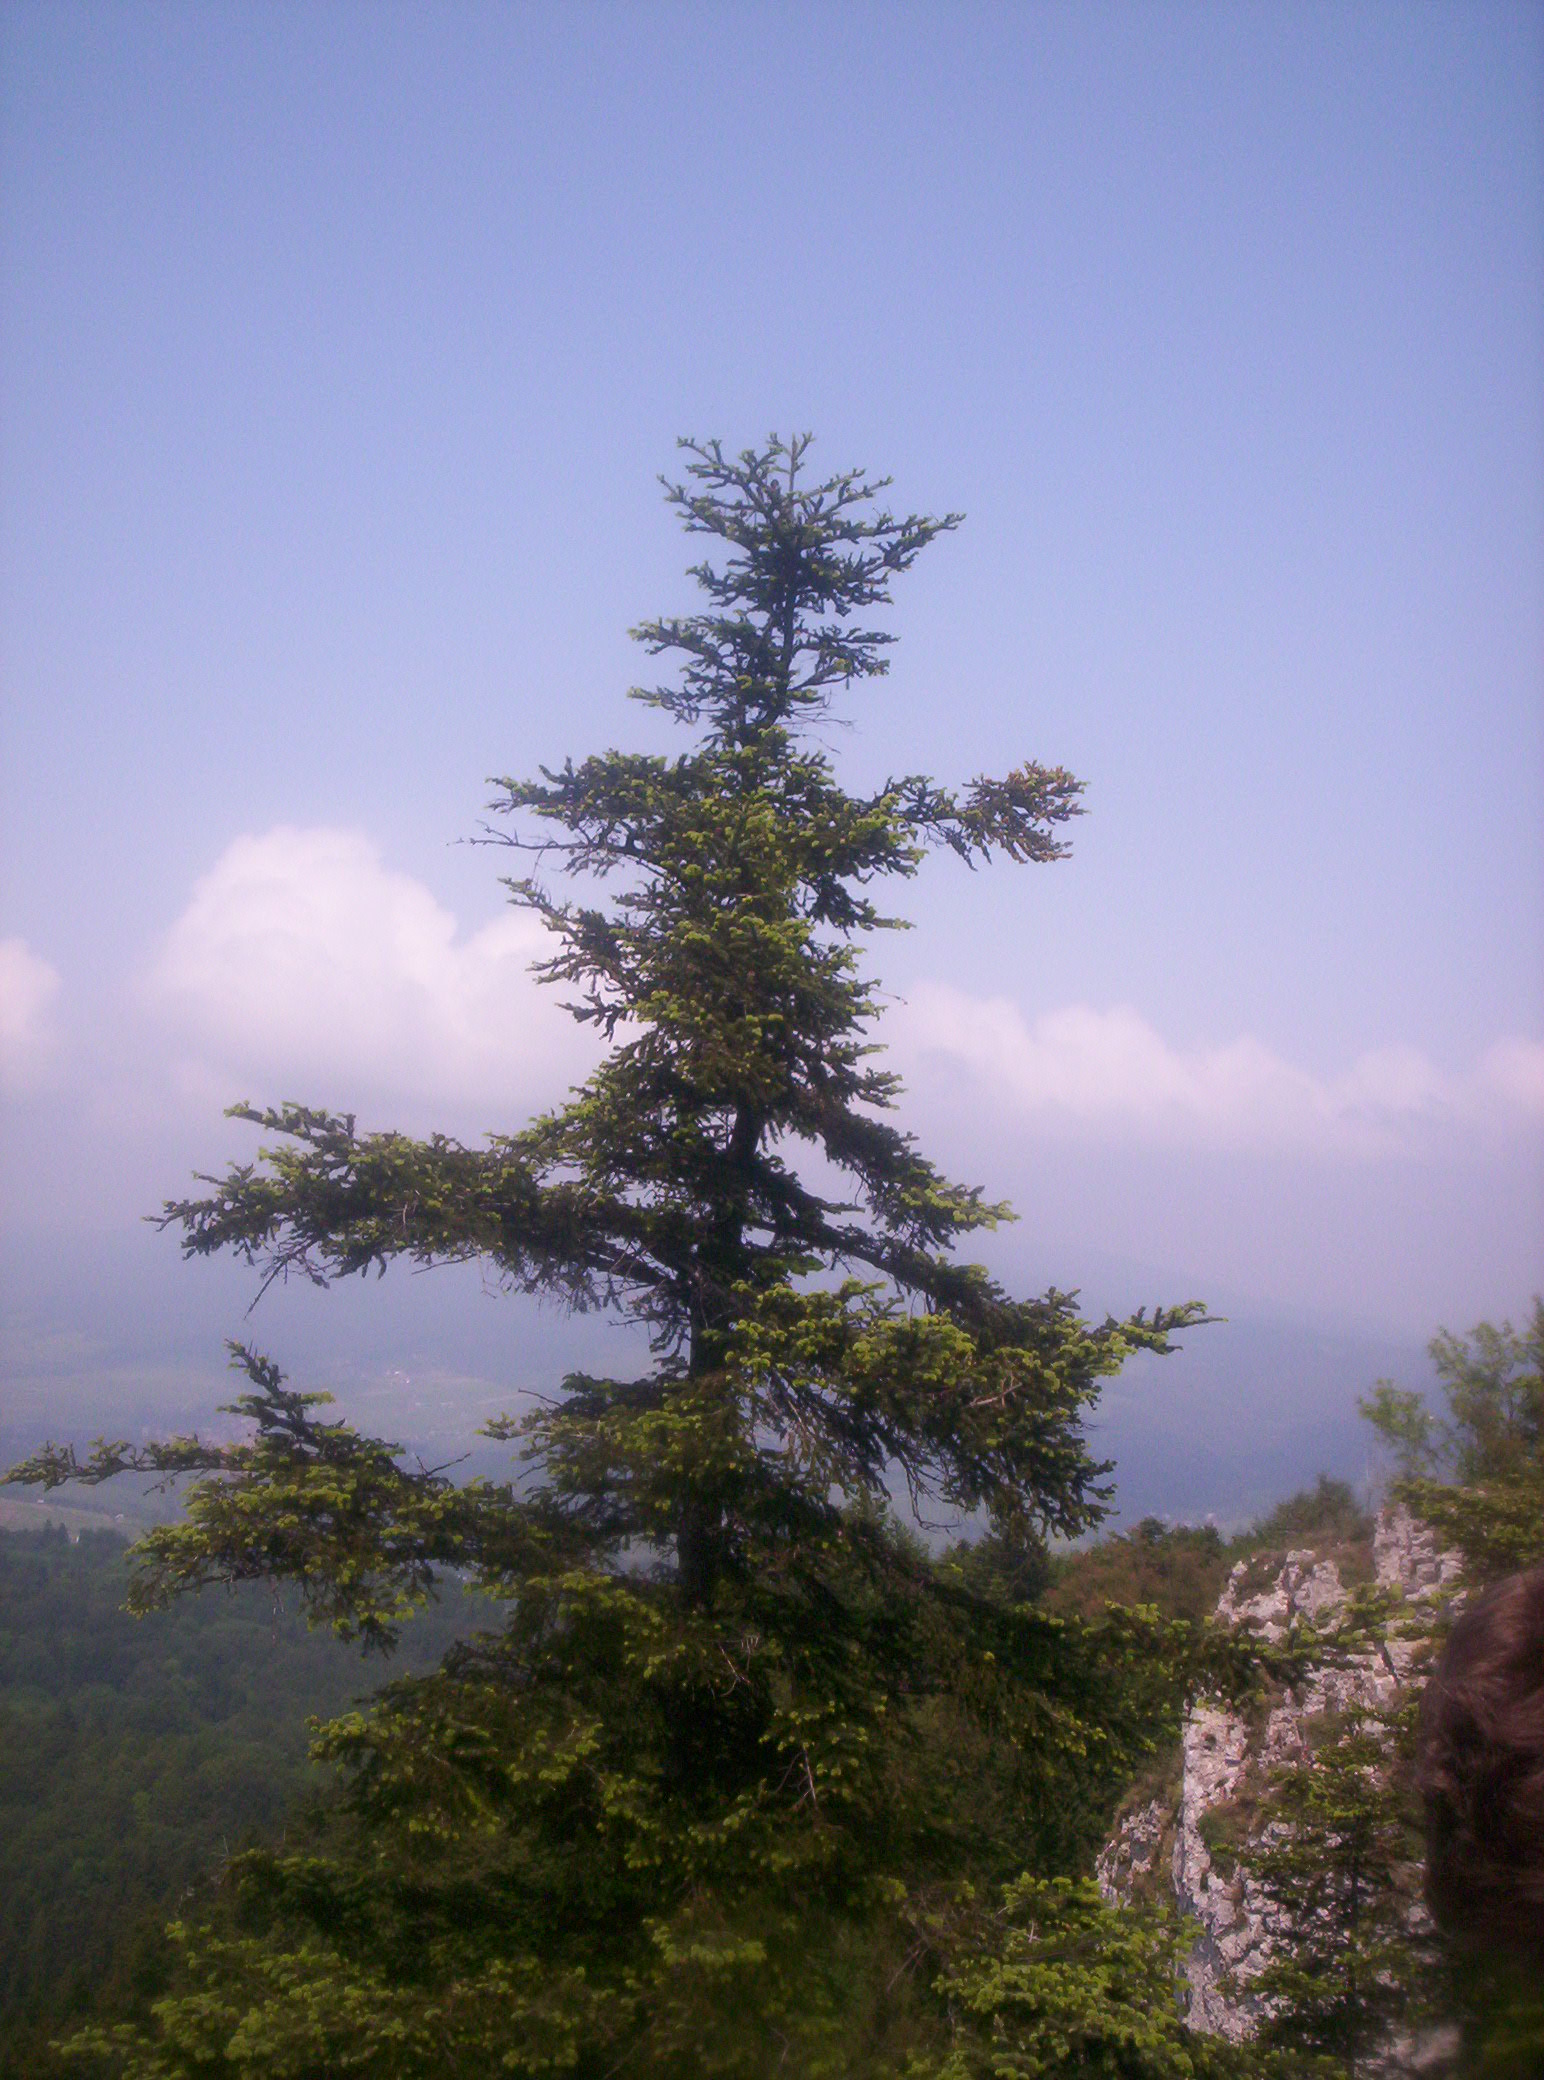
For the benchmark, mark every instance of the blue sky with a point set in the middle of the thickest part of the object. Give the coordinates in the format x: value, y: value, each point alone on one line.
x: 339, y: 351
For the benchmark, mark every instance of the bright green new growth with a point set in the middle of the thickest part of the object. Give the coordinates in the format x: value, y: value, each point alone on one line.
x: 678, y: 1814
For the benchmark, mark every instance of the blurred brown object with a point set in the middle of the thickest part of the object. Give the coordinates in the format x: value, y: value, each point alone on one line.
x: 1481, y: 1765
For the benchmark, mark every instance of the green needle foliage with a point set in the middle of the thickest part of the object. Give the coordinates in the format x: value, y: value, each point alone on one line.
x: 676, y: 1813
x: 1340, y: 1866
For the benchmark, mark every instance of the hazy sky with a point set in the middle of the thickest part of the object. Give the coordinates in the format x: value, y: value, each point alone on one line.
x: 340, y: 349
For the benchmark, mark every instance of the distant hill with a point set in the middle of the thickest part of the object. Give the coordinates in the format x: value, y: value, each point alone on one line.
x: 128, y: 1340
x: 1250, y: 1409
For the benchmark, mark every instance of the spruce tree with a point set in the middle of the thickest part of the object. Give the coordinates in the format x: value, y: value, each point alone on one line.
x: 681, y: 1811
x: 1355, y: 1976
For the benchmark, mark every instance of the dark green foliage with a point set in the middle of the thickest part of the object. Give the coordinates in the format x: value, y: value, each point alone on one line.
x: 135, y: 1759
x: 1009, y: 1567
x: 1340, y: 1861
x: 1499, y: 2004
x: 681, y: 1814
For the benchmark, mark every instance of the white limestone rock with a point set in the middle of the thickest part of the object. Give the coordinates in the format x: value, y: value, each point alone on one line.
x: 1406, y: 1558
x: 1222, y: 1756
x: 1134, y: 1850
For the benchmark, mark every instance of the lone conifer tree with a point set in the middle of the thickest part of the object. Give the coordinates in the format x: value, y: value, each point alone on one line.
x: 677, y: 1814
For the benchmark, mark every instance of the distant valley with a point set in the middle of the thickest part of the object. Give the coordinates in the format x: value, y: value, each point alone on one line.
x: 131, y: 1343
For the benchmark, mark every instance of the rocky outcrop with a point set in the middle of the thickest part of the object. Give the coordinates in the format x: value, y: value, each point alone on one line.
x: 1407, y: 1560
x: 1202, y: 1830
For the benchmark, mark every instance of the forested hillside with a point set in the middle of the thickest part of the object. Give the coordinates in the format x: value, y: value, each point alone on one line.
x: 137, y: 1756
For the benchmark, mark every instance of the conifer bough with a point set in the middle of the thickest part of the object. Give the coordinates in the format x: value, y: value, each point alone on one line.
x: 669, y: 1815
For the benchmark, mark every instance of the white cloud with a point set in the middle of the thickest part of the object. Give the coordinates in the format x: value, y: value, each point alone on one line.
x: 1078, y: 1070
x: 1514, y: 1071
x: 306, y: 967
x: 28, y: 987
